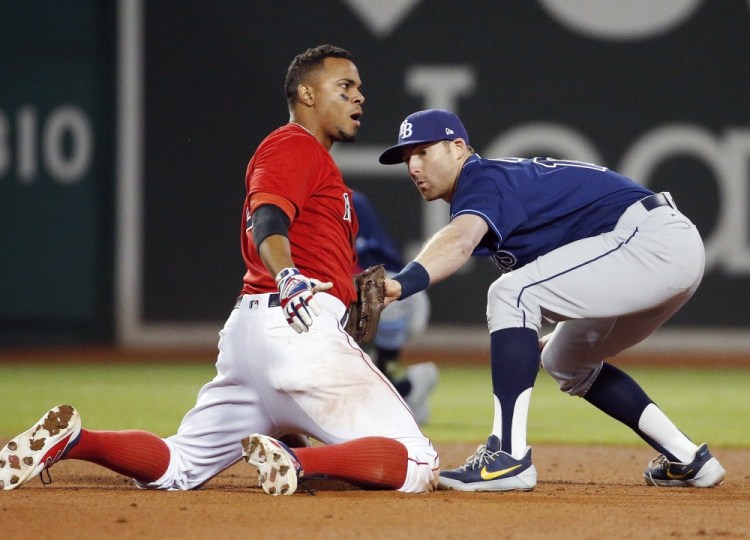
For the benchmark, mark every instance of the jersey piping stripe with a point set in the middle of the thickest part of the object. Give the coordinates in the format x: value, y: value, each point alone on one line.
x: 523, y: 289
x: 485, y: 218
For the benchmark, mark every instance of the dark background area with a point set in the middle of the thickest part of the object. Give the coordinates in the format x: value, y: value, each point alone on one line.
x: 214, y: 90
x: 213, y: 75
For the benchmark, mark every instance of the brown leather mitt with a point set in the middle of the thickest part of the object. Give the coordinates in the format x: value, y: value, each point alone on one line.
x: 364, y: 313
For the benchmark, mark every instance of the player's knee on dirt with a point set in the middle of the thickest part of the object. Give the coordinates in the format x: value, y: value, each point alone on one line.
x: 507, y: 307
x: 187, y: 465
x: 174, y: 479
x: 423, y: 469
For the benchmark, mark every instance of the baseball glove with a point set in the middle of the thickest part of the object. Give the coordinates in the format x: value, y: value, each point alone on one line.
x: 364, y: 313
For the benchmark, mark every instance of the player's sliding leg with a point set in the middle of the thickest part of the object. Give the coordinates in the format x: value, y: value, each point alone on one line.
x: 368, y: 462
x: 504, y: 462
x: 58, y: 435
x: 39, y: 447
x: 136, y: 454
x: 371, y: 462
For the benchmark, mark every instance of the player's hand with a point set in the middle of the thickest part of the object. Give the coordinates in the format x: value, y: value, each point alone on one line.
x: 296, y: 298
x: 392, y: 291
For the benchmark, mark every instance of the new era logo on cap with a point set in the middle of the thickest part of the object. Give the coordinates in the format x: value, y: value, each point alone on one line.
x: 422, y: 127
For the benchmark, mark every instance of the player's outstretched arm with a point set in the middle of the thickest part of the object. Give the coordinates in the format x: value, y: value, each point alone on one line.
x: 440, y: 257
x: 450, y: 247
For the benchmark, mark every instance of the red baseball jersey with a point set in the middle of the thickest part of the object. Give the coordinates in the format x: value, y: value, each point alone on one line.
x: 293, y: 171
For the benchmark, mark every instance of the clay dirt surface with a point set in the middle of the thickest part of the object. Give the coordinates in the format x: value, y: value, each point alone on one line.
x: 583, y: 492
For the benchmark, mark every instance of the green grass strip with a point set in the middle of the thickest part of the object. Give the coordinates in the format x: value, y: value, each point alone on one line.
x: 710, y: 405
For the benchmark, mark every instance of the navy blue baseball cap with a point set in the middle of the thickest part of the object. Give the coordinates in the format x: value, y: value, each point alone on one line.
x: 423, y: 127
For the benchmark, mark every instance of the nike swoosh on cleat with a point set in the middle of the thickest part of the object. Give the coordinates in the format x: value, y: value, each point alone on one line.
x: 678, y: 476
x: 486, y: 475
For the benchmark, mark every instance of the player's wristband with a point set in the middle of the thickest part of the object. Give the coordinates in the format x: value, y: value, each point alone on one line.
x: 413, y: 278
x: 285, y: 273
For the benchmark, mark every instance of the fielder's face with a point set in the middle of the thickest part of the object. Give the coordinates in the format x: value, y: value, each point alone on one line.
x: 434, y: 168
x: 338, y: 99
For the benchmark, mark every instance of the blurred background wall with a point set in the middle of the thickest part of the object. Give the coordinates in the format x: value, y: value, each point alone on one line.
x: 126, y: 127
x: 57, y: 175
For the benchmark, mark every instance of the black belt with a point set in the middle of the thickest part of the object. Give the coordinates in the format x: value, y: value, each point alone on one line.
x: 654, y: 201
x: 273, y: 301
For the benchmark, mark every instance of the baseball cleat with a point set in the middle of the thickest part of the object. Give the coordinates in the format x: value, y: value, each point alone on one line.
x: 704, y: 471
x: 39, y: 447
x: 278, y: 467
x: 423, y: 378
x: 491, y: 469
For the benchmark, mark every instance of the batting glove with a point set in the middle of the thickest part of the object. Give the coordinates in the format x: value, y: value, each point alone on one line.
x: 296, y: 298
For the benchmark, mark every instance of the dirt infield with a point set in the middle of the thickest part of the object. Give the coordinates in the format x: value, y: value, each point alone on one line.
x: 583, y: 492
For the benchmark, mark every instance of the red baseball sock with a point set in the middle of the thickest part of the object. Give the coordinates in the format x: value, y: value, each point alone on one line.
x: 371, y: 462
x: 135, y: 454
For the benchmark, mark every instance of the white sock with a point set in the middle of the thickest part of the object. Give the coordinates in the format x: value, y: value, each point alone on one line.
x: 654, y: 423
x: 497, y: 423
x: 518, y: 428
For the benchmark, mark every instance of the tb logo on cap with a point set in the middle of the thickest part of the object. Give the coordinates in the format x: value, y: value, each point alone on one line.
x: 405, y: 131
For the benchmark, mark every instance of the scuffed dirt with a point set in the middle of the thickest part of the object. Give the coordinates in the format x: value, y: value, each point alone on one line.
x: 583, y: 492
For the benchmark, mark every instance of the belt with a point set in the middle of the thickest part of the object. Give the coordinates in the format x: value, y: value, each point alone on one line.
x: 273, y: 300
x: 655, y: 201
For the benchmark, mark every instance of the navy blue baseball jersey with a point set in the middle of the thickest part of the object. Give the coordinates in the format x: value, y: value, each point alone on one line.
x: 533, y: 206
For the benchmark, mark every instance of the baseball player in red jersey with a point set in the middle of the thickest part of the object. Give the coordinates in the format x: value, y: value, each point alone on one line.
x: 285, y: 364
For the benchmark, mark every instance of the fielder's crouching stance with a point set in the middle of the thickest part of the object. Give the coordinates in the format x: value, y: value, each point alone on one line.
x: 285, y: 364
x: 579, y: 245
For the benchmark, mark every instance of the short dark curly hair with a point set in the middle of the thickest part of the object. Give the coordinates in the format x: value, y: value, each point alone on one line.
x: 306, y: 62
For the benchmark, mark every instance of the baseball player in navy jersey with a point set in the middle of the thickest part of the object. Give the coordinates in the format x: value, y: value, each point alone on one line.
x: 578, y: 245
x: 401, y: 321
